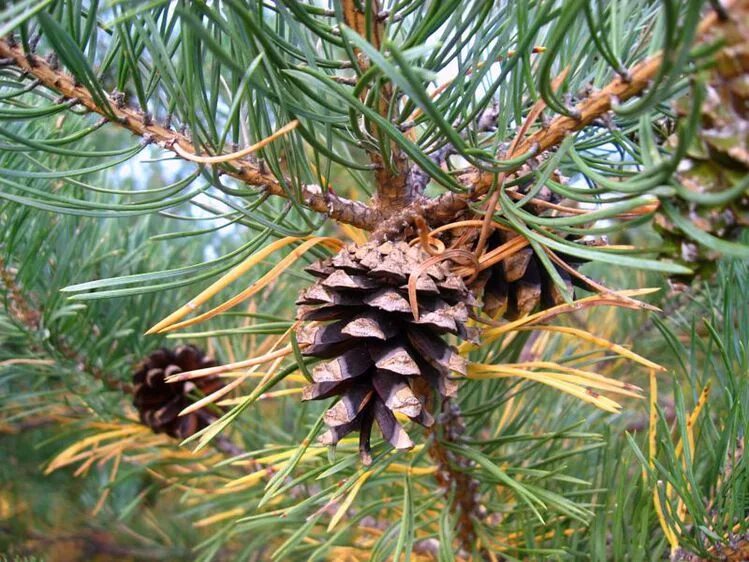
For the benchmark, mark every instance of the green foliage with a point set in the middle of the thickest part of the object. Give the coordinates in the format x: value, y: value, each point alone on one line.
x: 105, y: 234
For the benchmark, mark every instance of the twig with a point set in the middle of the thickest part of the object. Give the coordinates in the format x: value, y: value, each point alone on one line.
x: 393, y: 190
x: 397, y: 205
x: 29, y: 314
x: 597, y: 104
x: 139, y: 123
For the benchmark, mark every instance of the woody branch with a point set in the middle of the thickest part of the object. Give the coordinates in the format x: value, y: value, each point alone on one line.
x: 396, y: 205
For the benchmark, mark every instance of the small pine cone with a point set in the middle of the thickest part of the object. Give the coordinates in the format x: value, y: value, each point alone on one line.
x: 159, y: 402
x: 378, y: 358
x: 520, y: 284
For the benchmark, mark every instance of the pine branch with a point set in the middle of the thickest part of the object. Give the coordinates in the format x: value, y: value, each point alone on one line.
x: 397, y: 206
x: 30, y: 314
x: 393, y: 188
x: 619, y: 90
x: 141, y: 124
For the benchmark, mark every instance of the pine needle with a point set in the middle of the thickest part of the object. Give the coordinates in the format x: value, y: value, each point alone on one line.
x: 226, y: 280
x: 222, y: 158
x: 257, y: 286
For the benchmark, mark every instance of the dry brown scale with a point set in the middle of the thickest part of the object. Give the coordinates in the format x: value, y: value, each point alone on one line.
x: 520, y: 284
x: 380, y: 360
x: 159, y: 402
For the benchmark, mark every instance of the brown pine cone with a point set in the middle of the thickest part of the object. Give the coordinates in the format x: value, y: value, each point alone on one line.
x: 379, y: 360
x: 159, y: 402
x: 520, y: 284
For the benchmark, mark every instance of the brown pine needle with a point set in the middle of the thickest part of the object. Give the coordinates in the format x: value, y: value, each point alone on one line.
x: 614, y: 299
x: 429, y: 262
x: 222, y: 158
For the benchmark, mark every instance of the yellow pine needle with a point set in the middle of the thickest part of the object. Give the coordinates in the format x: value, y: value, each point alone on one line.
x: 223, y: 391
x: 555, y: 380
x: 9, y: 362
x: 653, y: 425
x: 621, y: 387
x: 220, y: 369
x: 668, y: 532
x: 681, y: 508
x: 652, y: 452
x: 580, y: 378
x: 508, y: 411
x: 221, y: 158
x: 224, y: 282
x: 310, y: 453
x: 346, y: 503
x: 64, y: 458
x: 266, y: 396
x: 235, y: 374
x: 612, y: 299
x: 357, y: 235
x: 275, y: 463
x: 603, y: 343
x: 105, y: 494
x: 205, y: 438
x: 257, y: 286
x: 692, y: 419
x: 412, y: 470
x: 235, y: 513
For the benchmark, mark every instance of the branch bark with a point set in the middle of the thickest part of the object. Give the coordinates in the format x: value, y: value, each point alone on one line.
x: 454, y: 472
x: 597, y: 104
x: 396, y: 205
x: 140, y: 124
x: 393, y: 190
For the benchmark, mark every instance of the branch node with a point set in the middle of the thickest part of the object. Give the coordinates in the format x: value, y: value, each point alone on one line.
x: 53, y: 61
x: 118, y: 98
x: 34, y: 41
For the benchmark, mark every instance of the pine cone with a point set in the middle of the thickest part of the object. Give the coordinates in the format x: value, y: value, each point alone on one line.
x: 379, y: 359
x: 159, y: 402
x: 520, y: 284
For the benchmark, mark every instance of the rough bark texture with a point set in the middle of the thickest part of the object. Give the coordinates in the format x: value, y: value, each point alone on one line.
x: 454, y: 474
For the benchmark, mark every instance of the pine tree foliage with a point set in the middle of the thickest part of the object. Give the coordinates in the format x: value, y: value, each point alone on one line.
x: 468, y: 162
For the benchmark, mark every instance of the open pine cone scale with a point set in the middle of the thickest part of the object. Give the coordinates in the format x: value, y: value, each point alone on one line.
x: 159, y: 402
x: 382, y: 362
